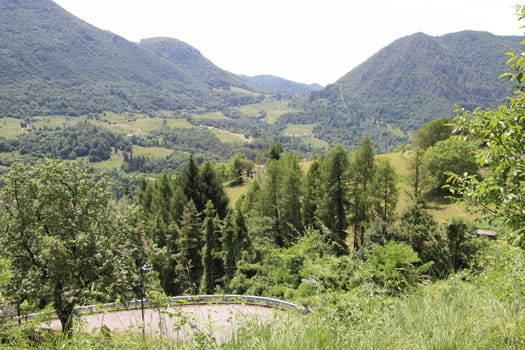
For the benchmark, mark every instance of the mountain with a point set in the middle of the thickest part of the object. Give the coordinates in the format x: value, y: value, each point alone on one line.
x: 54, y: 63
x: 275, y: 85
x: 189, y: 60
x: 408, y: 83
x: 192, y: 62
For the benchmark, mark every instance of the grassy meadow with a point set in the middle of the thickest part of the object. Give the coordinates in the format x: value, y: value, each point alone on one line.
x: 273, y: 109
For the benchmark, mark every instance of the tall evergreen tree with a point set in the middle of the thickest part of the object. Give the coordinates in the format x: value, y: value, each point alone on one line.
x: 332, y: 209
x: 362, y: 173
x: 211, y: 189
x: 385, y: 195
x: 189, y: 256
x: 241, y: 236
x: 268, y: 199
x: 228, y: 244
x: 189, y: 180
x: 364, y: 162
x: 288, y: 201
x: 312, y: 193
x: 415, y: 167
x: 385, y: 191
x: 209, y: 269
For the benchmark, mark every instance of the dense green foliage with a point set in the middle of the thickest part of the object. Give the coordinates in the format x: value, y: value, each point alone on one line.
x: 83, y: 140
x: 407, y: 84
x: 90, y: 70
x: 66, y: 245
x: 500, y: 132
x: 450, y: 156
x: 276, y: 85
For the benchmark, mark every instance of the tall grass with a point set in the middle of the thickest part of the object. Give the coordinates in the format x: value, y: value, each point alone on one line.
x: 447, y: 315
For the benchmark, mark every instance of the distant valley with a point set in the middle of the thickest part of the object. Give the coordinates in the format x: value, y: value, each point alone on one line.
x: 67, y: 73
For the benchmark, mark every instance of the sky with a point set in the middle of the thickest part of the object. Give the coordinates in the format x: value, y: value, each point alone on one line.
x: 307, y: 41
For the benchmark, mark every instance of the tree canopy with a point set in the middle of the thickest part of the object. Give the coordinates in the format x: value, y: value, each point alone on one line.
x: 66, y: 244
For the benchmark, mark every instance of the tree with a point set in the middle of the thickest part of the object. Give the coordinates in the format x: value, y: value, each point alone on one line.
x: 499, y: 195
x: 363, y: 162
x: 362, y: 171
x: 414, y: 166
x: 420, y: 231
x: 279, y: 197
x: 429, y: 134
x: 268, y: 197
x: 332, y: 208
x: 209, y: 266
x: 189, y: 181
x: 65, y: 243
x: 289, y: 200
x: 275, y: 150
x: 385, y: 192
x: 211, y: 189
x: 5, y: 276
x: 235, y: 241
x: 228, y: 244
x: 239, y: 167
x: 312, y: 193
x: 450, y: 156
x: 189, y: 255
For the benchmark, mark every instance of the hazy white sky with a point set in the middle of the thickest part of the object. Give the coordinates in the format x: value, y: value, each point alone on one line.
x: 309, y: 41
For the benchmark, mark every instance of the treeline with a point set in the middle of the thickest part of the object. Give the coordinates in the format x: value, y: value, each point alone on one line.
x: 343, y: 202
x: 81, y: 140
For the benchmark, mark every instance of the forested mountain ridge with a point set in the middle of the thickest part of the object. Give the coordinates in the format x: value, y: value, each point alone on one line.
x: 276, y: 85
x: 192, y: 62
x: 408, y: 83
x: 54, y: 63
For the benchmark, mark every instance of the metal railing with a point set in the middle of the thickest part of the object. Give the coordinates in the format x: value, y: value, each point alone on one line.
x: 179, y: 301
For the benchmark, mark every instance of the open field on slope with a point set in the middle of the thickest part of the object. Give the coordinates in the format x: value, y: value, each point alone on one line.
x: 10, y: 128
x: 211, y: 115
x: 272, y: 108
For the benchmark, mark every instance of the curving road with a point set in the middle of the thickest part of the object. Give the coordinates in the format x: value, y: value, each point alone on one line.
x: 217, y: 320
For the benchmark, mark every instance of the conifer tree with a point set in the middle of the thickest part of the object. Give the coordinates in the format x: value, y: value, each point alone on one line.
x: 385, y: 191
x: 385, y: 195
x: 312, y: 193
x: 241, y: 237
x: 228, y: 243
x: 268, y: 199
x: 332, y: 209
x: 211, y: 189
x: 189, y: 180
x: 189, y: 256
x: 289, y: 194
x: 209, y: 269
x: 362, y: 173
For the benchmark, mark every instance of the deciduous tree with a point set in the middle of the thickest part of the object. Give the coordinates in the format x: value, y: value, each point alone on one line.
x: 66, y: 244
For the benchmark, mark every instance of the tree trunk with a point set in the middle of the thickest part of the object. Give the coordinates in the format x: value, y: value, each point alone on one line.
x: 64, y: 311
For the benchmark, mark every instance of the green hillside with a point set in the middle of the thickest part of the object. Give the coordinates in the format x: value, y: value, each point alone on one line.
x: 408, y: 83
x: 191, y: 61
x: 275, y: 85
x: 53, y: 63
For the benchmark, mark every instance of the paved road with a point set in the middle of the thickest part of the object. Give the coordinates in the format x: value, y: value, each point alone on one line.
x: 221, y: 320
